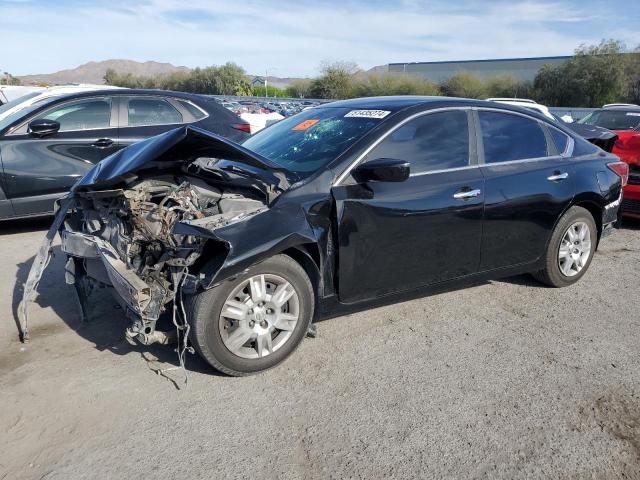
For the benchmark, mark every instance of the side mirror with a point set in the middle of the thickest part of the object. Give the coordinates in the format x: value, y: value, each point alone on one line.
x: 382, y: 170
x: 41, y: 127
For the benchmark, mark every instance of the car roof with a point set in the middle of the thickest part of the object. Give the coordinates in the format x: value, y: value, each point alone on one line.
x: 624, y: 108
x: 125, y: 92
x: 400, y: 102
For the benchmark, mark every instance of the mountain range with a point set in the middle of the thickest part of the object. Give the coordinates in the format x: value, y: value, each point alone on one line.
x: 93, y: 72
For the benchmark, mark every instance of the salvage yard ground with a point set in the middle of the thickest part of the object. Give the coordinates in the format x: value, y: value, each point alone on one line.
x: 507, y: 379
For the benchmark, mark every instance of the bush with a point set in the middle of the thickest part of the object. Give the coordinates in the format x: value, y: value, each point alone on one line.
x: 464, y: 84
x: 392, y: 84
x: 227, y: 79
x: 300, y: 88
x: 259, y: 91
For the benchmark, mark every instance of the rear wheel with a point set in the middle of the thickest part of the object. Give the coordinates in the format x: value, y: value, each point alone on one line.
x: 256, y: 320
x: 570, y: 250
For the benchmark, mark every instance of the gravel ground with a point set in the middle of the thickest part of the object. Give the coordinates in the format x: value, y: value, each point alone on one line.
x: 507, y: 379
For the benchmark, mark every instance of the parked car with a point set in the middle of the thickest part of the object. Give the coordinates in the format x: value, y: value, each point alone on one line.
x: 9, y: 93
x: 338, y: 208
x: 38, y: 95
x: 524, y: 103
x: 50, y: 144
x: 624, y: 120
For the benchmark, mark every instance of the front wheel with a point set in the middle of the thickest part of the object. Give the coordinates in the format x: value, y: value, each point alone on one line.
x: 254, y: 321
x: 570, y: 250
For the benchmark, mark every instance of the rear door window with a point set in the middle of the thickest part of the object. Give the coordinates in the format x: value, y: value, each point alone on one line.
x: 435, y: 141
x: 508, y: 137
x: 151, y: 111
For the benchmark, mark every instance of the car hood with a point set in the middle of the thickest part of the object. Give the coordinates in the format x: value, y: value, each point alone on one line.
x: 180, y: 147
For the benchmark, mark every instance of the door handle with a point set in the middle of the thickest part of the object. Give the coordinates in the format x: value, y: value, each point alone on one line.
x: 465, y: 194
x: 557, y: 176
x: 102, y: 143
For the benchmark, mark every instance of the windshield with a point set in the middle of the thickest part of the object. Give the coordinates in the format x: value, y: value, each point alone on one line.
x: 310, y: 140
x: 613, y: 119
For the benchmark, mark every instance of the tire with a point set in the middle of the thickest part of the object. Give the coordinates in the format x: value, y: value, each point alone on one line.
x: 552, y: 274
x: 218, y: 334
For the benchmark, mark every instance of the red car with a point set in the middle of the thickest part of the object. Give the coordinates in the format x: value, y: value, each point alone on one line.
x: 624, y: 119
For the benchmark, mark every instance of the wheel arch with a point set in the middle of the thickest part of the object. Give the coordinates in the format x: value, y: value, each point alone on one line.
x: 307, y: 255
x: 593, y: 204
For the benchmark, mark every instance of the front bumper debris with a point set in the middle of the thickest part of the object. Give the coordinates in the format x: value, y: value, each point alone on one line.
x: 40, y: 262
x: 143, y: 300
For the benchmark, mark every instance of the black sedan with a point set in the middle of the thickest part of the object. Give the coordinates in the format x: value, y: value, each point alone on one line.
x: 338, y: 208
x: 47, y: 147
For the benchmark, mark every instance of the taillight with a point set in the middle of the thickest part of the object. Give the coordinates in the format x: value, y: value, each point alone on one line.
x: 621, y: 169
x: 245, y: 127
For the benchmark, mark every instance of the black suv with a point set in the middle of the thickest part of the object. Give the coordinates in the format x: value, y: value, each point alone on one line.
x: 46, y: 147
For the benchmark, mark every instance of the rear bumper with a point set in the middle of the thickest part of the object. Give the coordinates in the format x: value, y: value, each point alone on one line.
x: 631, y: 201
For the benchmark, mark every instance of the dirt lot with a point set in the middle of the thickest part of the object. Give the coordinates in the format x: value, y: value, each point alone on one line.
x: 504, y: 380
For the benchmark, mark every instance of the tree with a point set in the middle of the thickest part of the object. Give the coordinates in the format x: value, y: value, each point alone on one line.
x: 228, y: 79
x: 335, y: 80
x: 8, y: 79
x: 464, y: 84
x: 597, y: 74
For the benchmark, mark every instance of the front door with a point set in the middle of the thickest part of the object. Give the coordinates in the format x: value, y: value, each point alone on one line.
x: 39, y: 170
x: 427, y: 229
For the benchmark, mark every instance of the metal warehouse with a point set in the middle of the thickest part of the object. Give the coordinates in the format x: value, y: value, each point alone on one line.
x: 520, y: 68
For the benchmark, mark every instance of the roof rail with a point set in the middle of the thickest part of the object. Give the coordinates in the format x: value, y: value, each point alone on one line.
x: 523, y: 100
x: 620, y: 105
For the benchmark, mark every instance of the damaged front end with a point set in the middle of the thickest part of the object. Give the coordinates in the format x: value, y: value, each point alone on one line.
x: 119, y: 225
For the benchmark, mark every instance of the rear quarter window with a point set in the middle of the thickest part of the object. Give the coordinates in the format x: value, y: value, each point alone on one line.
x: 560, y: 139
x: 194, y: 111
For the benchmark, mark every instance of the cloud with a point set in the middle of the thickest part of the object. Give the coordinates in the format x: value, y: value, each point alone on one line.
x: 293, y: 38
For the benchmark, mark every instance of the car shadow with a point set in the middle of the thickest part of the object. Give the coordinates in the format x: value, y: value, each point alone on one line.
x: 629, y: 224
x: 24, y: 225
x: 107, y: 322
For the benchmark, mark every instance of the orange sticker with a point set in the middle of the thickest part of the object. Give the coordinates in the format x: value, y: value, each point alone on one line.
x: 306, y: 124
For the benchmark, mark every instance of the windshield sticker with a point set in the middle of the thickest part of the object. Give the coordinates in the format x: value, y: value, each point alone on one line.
x: 633, y: 114
x: 306, y: 124
x: 368, y: 113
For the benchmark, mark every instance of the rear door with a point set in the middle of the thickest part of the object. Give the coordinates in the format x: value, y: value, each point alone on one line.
x: 402, y: 235
x: 39, y: 170
x: 143, y: 116
x: 528, y: 184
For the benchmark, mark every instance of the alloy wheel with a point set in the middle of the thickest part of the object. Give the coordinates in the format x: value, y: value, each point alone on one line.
x: 259, y: 316
x: 575, y: 249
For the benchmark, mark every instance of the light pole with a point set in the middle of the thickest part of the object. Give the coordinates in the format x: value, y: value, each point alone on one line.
x: 266, y: 74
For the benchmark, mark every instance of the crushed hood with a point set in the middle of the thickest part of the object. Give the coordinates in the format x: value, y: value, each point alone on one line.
x: 179, y: 147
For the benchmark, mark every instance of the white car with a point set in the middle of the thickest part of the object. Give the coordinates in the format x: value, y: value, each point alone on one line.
x: 39, y: 95
x: 9, y: 93
x: 525, y: 103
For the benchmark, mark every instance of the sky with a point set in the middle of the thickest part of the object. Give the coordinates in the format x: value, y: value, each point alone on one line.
x: 293, y: 38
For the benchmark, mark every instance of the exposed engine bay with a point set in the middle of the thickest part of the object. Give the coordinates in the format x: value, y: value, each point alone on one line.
x: 124, y: 239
